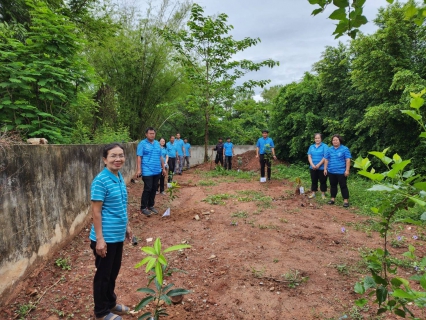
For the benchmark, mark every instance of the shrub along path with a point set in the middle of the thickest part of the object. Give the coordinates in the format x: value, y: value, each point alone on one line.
x: 259, y: 251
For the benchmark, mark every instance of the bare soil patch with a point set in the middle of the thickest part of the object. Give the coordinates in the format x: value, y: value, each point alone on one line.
x: 261, y: 237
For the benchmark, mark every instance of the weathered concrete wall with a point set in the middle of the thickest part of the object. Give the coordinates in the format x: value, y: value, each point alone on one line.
x: 45, y: 200
x: 197, y: 152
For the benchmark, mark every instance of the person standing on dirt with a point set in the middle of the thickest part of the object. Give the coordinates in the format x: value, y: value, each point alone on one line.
x: 336, y: 166
x: 316, y: 154
x: 165, y: 160
x: 181, y: 153
x: 219, y: 152
x: 150, y: 165
x: 109, y: 230
x: 265, y: 148
x: 187, y: 147
x: 173, y: 154
x: 228, y: 152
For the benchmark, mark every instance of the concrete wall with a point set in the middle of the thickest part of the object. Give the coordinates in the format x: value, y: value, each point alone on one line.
x: 197, y: 152
x: 45, y: 200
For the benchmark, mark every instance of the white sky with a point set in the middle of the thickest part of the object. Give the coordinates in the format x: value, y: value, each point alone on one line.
x: 288, y: 33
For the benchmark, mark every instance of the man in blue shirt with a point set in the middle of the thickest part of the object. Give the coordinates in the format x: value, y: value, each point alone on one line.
x: 228, y: 152
x: 172, y: 153
x: 181, y: 151
x: 187, y: 147
x: 150, y: 165
x: 264, y: 148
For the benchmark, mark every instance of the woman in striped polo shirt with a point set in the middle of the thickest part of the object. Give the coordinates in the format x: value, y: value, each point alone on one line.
x: 336, y: 166
x: 109, y: 230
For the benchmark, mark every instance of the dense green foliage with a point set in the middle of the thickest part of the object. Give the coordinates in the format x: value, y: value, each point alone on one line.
x: 357, y: 91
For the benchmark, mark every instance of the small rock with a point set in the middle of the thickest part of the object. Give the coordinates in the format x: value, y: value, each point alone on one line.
x: 261, y: 283
x: 149, y: 240
x: 196, y: 217
x: 205, y: 213
x: 32, y: 292
x: 212, y: 211
x: 271, y: 288
x: 212, y: 257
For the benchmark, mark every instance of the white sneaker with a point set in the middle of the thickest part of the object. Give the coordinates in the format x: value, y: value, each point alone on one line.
x: 312, y: 195
x: 163, y: 193
x: 157, y: 192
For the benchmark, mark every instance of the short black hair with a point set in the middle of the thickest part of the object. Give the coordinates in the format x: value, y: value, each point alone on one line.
x: 110, y: 146
x: 228, y: 138
x: 149, y: 129
x: 265, y: 131
x: 220, y: 138
x: 338, y: 137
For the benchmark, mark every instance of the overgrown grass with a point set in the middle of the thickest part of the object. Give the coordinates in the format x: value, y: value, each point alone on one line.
x: 358, y: 186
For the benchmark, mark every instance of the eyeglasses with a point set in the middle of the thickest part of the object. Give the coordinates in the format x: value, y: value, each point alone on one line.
x: 115, y: 156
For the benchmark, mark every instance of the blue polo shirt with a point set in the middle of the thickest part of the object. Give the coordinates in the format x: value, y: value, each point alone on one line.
x: 171, y: 149
x: 179, y: 145
x: 317, y: 153
x: 151, y: 157
x: 111, y: 190
x: 337, y: 159
x: 227, y: 148
x: 262, y: 142
x: 187, y: 146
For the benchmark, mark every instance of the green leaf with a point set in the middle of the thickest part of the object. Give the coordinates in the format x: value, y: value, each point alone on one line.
x: 423, y: 216
x: 412, y: 114
x: 146, y: 315
x: 359, y: 288
x: 381, y: 294
x: 146, y: 290
x: 177, y: 247
x: 369, y: 283
x: 166, y: 299
x: 339, y: 14
x: 420, y: 186
x: 410, y: 11
x: 162, y: 260
x: 399, y: 293
x: 372, y: 176
x: 141, y: 263
x: 177, y: 292
x: 361, y: 302
x: 151, y: 264
x: 423, y: 281
x: 149, y: 250
x: 144, y: 302
x: 379, y: 187
x: 157, y: 246
x: 399, y: 312
x: 418, y: 201
x: 159, y: 273
x: 341, y: 3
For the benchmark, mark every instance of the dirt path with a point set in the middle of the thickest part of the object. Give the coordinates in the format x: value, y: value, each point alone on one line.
x: 262, y: 238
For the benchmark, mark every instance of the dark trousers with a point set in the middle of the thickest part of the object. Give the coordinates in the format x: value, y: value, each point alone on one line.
x: 106, y: 273
x: 318, y: 175
x: 264, y: 162
x: 186, y: 162
x: 171, y: 162
x: 150, y: 185
x: 228, y: 162
x: 338, y: 179
x: 161, y: 183
x: 219, y: 158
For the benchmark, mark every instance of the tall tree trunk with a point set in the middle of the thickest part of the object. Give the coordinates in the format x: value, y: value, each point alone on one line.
x: 206, y: 135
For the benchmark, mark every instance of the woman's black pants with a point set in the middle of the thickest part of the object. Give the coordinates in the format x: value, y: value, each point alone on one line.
x: 338, y: 179
x: 318, y: 175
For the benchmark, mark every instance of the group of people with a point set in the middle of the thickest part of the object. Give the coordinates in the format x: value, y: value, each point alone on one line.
x: 333, y: 162
x: 264, y: 146
x: 109, y: 195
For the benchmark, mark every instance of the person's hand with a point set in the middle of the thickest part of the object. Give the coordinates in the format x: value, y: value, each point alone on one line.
x: 347, y: 173
x: 129, y: 234
x: 275, y: 157
x: 138, y: 174
x: 164, y: 172
x: 325, y: 172
x: 101, y: 247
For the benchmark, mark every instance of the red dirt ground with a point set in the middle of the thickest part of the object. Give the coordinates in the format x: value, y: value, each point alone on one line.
x: 252, y: 251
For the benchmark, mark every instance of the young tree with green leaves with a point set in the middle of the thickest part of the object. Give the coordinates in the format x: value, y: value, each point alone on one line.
x: 206, y: 51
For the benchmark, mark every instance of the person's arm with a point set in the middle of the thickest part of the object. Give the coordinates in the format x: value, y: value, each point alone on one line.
x: 273, y: 153
x: 183, y: 151
x: 189, y: 149
x: 233, y: 152
x: 138, y: 166
x: 257, y: 152
x: 348, y: 166
x: 325, y: 166
x: 311, y: 162
x: 319, y: 164
x: 101, y: 246
x: 163, y: 167
x: 129, y: 233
